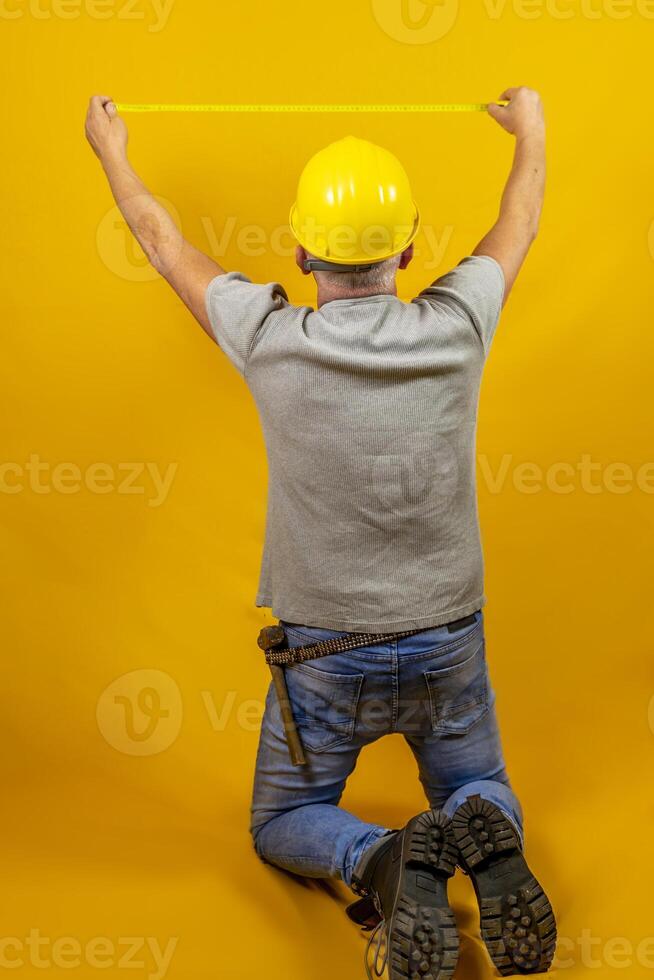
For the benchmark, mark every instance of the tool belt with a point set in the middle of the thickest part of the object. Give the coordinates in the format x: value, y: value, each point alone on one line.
x: 272, y: 640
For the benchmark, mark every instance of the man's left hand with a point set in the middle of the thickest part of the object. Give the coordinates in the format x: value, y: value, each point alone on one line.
x: 105, y: 130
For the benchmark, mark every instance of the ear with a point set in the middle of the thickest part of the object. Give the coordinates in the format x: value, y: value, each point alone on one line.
x: 300, y: 256
x: 406, y: 257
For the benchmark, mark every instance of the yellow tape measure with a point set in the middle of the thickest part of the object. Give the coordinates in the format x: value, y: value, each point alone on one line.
x: 235, y: 107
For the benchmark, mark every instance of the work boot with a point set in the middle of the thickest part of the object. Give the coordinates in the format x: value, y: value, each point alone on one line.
x: 517, y: 921
x: 405, y: 874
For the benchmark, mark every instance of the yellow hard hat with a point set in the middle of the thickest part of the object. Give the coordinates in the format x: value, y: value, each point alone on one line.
x: 354, y: 205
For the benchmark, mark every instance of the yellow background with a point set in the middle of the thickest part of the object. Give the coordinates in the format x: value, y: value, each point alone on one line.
x: 100, y: 363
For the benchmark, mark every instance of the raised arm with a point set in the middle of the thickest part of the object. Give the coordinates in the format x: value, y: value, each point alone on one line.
x: 188, y: 270
x: 509, y: 239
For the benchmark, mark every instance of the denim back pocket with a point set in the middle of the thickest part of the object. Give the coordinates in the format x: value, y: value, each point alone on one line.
x: 324, y: 705
x: 459, y: 692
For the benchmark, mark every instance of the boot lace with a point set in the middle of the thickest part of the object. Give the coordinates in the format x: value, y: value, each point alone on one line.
x: 378, y: 946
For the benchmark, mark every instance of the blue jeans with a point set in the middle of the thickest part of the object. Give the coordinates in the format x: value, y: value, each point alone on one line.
x: 432, y: 687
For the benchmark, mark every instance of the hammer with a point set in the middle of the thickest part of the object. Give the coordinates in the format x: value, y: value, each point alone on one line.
x: 269, y: 638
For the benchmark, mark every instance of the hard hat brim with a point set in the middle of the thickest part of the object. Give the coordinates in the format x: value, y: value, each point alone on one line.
x: 357, y: 257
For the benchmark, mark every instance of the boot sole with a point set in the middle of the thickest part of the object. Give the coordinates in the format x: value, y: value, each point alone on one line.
x: 424, y: 942
x: 517, y: 920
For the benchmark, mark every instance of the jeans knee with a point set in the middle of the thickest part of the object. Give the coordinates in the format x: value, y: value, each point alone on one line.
x: 500, y: 777
x: 257, y: 828
x: 255, y: 836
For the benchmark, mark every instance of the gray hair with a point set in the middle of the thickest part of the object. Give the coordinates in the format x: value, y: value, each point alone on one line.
x: 378, y: 279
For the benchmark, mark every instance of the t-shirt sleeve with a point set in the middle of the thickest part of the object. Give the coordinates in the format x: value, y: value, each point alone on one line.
x: 476, y: 287
x: 238, y: 310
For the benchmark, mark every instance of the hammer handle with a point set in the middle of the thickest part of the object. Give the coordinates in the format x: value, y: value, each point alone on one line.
x: 295, y: 749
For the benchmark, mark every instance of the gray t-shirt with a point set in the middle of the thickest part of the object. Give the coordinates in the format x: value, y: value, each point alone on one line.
x: 369, y: 410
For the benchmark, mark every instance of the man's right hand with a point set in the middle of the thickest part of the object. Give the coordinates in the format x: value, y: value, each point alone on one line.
x: 523, y: 116
x: 509, y: 239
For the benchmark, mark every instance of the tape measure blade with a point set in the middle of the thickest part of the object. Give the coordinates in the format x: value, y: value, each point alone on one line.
x: 290, y: 108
